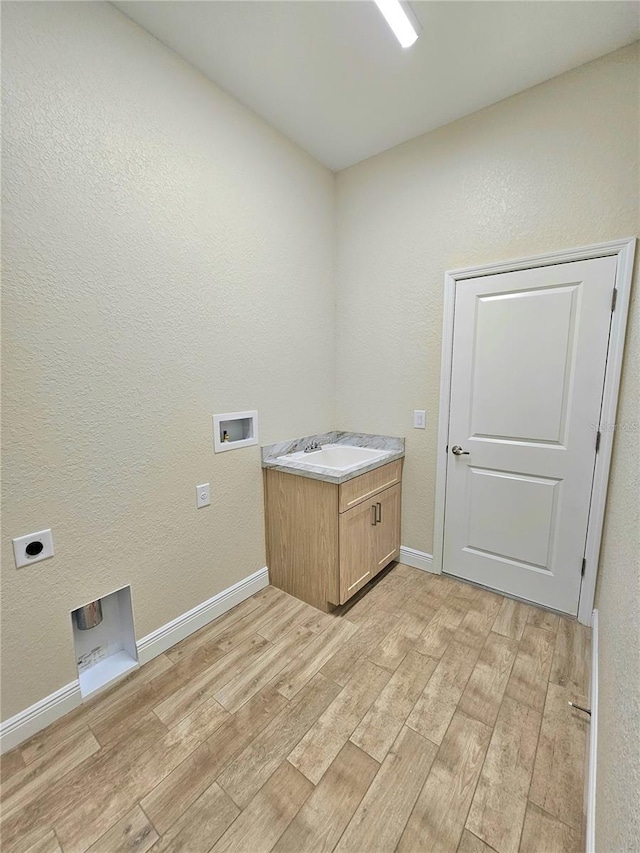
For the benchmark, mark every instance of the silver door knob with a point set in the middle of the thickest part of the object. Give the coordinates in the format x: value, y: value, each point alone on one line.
x: 458, y: 451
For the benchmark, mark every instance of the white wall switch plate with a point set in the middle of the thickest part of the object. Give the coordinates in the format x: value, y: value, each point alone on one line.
x: 32, y: 548
x: 419, y: 419
x: 203, y: 495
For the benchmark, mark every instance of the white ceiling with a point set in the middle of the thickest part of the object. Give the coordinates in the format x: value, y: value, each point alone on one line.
x: 331, y: 76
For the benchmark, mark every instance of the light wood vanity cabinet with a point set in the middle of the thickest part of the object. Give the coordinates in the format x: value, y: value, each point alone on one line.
x: 326, y: 541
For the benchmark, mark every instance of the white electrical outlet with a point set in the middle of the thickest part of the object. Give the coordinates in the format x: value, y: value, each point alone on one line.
x: 203, y: 495
x: 419, y: 419
x: 32, y: 548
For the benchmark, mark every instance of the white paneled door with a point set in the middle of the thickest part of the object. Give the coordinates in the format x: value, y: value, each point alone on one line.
x: 529, y: 356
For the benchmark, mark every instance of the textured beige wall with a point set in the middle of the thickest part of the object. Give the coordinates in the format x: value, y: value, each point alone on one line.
x: 551, y: 168
x: 167, y: 255
x: 554, y: 167
x: 618, y: 603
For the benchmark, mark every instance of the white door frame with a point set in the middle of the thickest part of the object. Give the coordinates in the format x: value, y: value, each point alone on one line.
x: 624, y: 250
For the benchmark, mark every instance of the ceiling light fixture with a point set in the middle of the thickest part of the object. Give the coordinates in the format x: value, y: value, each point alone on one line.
x: 403, y: 24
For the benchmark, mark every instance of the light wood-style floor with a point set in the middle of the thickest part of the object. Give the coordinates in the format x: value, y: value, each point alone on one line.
x: 429, y: 716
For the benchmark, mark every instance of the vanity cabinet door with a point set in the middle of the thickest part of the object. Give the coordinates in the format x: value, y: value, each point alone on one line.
x: 387, y: 529
x: 358, y: 548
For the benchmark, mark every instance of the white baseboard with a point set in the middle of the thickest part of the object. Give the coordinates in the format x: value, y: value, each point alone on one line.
x: 417, y: 559
x: 168, y: 635
x: 593, y: 740
x: 29, y: 722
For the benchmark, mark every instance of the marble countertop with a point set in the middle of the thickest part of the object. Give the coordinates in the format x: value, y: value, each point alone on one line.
x: 271, y: 452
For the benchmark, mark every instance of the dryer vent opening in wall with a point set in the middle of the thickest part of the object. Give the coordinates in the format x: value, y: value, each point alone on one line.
x: 105, y: 640
x: 234, y: 430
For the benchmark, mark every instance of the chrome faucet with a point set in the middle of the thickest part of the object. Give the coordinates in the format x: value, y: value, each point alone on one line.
x: 312, y: 446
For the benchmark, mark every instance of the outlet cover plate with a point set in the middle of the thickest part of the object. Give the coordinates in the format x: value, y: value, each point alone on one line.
x: 203, y: 495
x: 23, y: 544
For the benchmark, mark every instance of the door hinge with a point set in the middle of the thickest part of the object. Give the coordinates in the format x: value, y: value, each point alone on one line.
x: 614, y: 297
x: 598, y: 437
x: 584, y: 566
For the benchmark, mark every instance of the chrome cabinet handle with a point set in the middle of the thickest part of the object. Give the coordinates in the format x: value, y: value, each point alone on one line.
x: 374, y: 516
x: 379, y: 512
x: 458, y: 451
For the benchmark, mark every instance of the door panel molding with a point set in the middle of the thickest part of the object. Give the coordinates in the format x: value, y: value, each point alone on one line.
x: 624, y: 251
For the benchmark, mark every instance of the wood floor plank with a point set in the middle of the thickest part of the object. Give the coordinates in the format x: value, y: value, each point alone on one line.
x: 316, y: 620
x: 203, y: 721
x: 79, y: 719
x: 221, y: 642
x: 322, y: 819
x: 459, y: 593
x: 126, y: 701
x: 51, y: 737
x: 402, y: 570
x: 484, y: 691
x: 109, y: 726
x: 201, y: 825
x: 511, y: 619
x: 542, y: 832
x: 560, y: 760
x: 47, y: 844
x: 165, y: 803
x: 313, y: 657
x: 110, y: 797
x: 246, y: 774
x: 530, y: 673
x: 499, y: 805
x: 105, y: 701
x: 182, y: 787
x: 86, y: 780
x: 258, y: 673
x: 390, y: 652
x: 382, y: 723
x: 191, y: 693
x: 470, y: 844
x: 132, y: 834
x: 439, y: 632
x: 31, y: 840
x: 541, y: 618
x: 380, y: 597
x: 268, y: 814
x: 437, y: 821
x: 367, y: 636
x: 381, y: 816
x: 422, y: 598
x: 478, y: 619
x: 280, y: 624
x: 327, y: 736
x: 10, y: 764
x: 26, y: 786
x: 205, y: 635
x: 437, y: 704
x: 276, y: 607
x: 438, y: 584
x: 572, y: 657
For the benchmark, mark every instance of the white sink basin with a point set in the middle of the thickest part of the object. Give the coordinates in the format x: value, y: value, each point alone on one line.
x: 336, y: 457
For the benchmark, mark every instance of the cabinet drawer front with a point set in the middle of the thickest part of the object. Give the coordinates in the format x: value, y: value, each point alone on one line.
x: 366, y: 485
